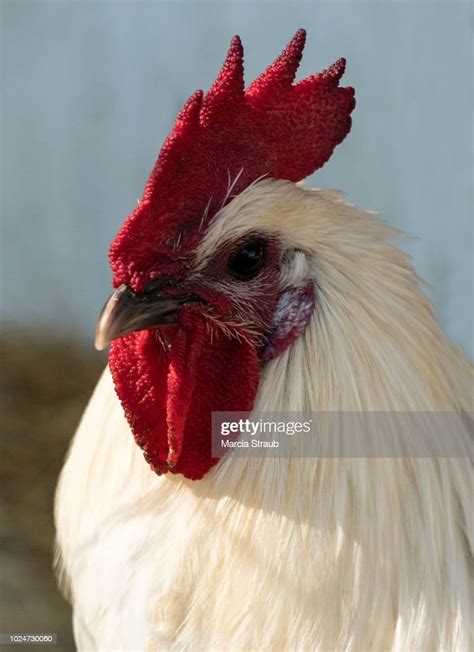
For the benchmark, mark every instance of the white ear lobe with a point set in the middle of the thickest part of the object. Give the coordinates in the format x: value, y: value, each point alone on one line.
x: 294, y: 269
x: 292, y: 312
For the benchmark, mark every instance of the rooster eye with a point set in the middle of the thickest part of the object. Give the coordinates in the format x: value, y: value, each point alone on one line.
x: 247, y: 261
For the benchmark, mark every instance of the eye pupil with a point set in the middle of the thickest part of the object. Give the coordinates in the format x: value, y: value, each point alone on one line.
x: 249, y: 259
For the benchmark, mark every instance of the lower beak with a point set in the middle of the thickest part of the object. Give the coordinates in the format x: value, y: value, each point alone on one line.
x: 126, y: 311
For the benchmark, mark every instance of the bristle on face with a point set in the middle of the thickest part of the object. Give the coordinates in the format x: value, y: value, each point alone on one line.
x: 225, y: 139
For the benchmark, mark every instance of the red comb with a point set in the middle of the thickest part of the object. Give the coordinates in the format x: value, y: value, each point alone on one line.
x: 223, y: 142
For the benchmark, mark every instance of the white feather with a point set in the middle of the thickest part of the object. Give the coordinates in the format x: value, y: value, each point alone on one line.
x: 287, y: 554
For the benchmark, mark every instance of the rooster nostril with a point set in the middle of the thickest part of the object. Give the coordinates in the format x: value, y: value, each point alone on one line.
x: 160, y: 283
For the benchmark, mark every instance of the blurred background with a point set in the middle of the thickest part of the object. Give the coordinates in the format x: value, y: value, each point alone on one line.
x: 89, y: 90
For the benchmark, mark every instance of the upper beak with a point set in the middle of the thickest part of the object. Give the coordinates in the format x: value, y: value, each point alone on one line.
x: 126, y: 311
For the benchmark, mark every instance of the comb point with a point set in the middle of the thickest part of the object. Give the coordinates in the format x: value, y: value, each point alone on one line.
x: 281, y: 73
x: 336, y: 70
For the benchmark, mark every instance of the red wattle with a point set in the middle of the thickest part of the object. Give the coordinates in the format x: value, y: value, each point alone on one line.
x: 169, y: 394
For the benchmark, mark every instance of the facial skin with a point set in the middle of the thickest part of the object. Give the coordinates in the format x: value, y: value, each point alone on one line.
x: 238, y: 286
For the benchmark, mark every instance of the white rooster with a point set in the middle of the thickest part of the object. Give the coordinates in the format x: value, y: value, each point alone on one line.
x: 239, y: 290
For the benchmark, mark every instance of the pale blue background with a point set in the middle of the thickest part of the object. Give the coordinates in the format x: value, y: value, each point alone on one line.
x: 90, y: 89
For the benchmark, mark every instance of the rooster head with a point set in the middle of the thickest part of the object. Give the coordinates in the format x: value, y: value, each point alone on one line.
x: 196, y: 315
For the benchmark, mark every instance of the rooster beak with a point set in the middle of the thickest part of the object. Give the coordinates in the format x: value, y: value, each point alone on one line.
x: 126, y: 311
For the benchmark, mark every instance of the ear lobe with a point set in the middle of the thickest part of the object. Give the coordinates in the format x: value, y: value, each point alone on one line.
x: 292, y: 313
